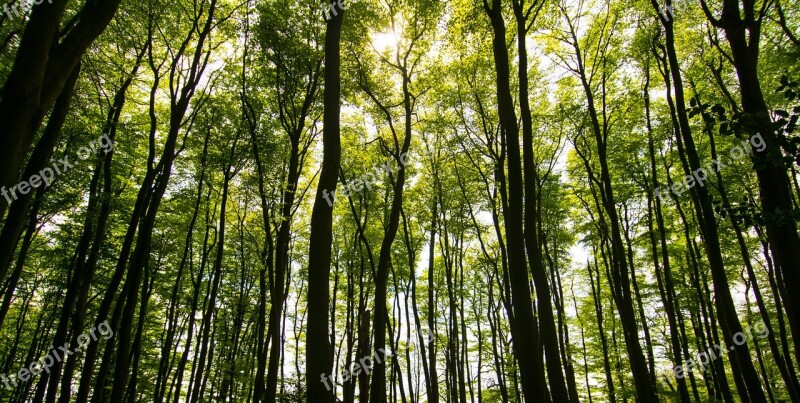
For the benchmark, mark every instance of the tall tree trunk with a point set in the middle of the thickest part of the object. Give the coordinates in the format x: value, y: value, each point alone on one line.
x: 742, y: 366
x: 525, y: 335
x: 638, y: 296
x: 293, y: 121
x: 363, y: 350
x: 411, y: 292
x: 619, y: 273
x: 172, y: 315
x: 743, y: 31
x: 433, y: 391
x: 262, y: 337
x: 179, y: 104
x: 706, y: 332
x: 318, y: 349
x: 598, y: 307
x: 198, y: 285
x: 13, y: 225
x: 137, y: 215
x: 216, y: 278
x: 378, y: 387
x: 664, y: 269
x: 86, y: 261
x: 548, y: 331
x: 42, y: 69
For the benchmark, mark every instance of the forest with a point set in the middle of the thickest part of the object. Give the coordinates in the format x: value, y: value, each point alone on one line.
x: 399, y: 201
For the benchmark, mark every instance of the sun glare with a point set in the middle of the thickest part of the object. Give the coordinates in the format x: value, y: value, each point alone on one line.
x: 385, y: 41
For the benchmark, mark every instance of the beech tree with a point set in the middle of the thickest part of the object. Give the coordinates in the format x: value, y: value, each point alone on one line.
x: 399, y: 201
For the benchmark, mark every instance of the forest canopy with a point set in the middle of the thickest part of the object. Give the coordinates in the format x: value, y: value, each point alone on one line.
x: 399, y: 200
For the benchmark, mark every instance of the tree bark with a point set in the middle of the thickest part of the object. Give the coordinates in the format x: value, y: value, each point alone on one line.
x: 318, y: 348
x: 729, y: 321
x: 41, y: 71
x: 548, y: 331
x: 525, y: 334
x: 743, y: 32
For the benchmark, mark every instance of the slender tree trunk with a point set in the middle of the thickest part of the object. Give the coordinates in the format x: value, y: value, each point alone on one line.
x: 167, y: 348
x: 638, y: 297
x: 788, y: 374
x: 433, y: 392
x: 363, y: 351
x: 178, y: 108
x: 707, y: 331
x: 598, y: 306
x: 743, y: 36
x: 136, y: 350
x: 318, y: 348
x: 42, y: 69
x: 525, y: 335
x: 663, y: 270
x: 619, y: 275
x: 40, y: 157
x: 228, y: 175
x: 22, y: 255
x: 198, y: 285
x: 750, y: 387
x: 86, y: 266
x: 137, y: 215
x: 262, y: 339
x: 548, y: 331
